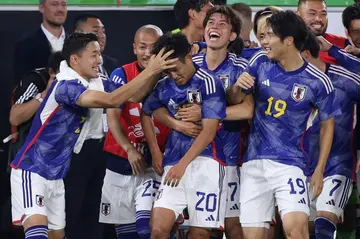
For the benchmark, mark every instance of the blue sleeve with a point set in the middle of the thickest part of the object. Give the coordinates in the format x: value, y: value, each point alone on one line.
x: 68, y: 92
x: 352, y: 85
x: 346, y: 60
x: 214, y: 99
x: 110, y: 86
x: 153, y: 101
x: 118, y: 76
x: 325, y: 99
x: 253, y: 66
x: 240, y: 65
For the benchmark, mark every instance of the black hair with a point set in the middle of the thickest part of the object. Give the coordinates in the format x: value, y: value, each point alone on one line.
x: 262, y: 13
x: 312, y: 45
x: 182, y: 7
x: 236, y: 46
x: 81, y: 19
x: 230, y: 15
x: 288, y: 24
x: 305, y: 1
x: 349, y: 14
x: 54, y: 61
x: 76, y: 43
x: 177, y: 42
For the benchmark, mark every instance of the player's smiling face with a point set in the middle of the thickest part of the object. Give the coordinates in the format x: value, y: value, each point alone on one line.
x: 272, y: 44
x: 314, y: 14
x: 143, y: 45
x: 218, y: 32
x: 261, y: 30
x: 87, y: 62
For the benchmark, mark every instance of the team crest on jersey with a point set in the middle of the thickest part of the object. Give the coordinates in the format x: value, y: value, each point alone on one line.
x: 105, y: 208
x: 225, y: 79
x: 194, y: 96
x: 40, y: 200
x: 298, y: 92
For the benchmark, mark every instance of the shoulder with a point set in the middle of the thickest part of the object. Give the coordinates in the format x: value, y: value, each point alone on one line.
x: 342, y: 72
x: 209, y: 80
x: 238, y: 61
x: 198, y: 58
x: 259, y: 57
x: 318, y: 78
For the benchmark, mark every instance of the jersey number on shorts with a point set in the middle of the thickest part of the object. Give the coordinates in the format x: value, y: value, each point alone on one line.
x: 299, y: 182
x: 233, y: 186
x: 280, y: 107
x: 210, y: 202
x: 337, y: 185
x: 155, y: 185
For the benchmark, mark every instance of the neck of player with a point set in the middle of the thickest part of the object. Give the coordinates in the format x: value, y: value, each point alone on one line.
x: 215, y: 57
x: 291, y: 61
x: 192, y: 34
x: 318, y: 63
x: 55, y: 30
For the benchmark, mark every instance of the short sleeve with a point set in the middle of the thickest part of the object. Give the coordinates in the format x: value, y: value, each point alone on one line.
x: 118, y: 77
x: 154, y: 100
x: 214, y: 99
x: 68, y: 92
x: 253, y: 66
x: 325, y: 99
x: 28, y: 88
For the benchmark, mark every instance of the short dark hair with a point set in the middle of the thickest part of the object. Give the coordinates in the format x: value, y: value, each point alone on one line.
x: 289, y: 24
x: 177, y: 42
x: 81, y: 19
x: 76, y: 43
x: 230, y: 15
x: 305, y: 1
x: 182, y: 7
x: 54, y: 61
x: 349, y: 14
x: 236, y: 46
x: 262, y: 13
x: 312, y: 44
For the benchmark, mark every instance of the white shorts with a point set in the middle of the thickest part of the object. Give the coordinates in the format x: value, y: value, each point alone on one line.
x: 334, y: 196
x: 262, y: 182
x: 233, y: 196
x: 124, y: 195
x: 32, y: 194
x: 202, y: 189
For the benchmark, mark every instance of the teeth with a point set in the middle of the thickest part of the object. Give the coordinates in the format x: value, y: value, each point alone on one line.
x: 214, y: 34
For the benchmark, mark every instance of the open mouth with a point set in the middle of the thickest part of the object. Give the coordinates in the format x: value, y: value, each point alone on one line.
x: 316, y: 26
x: 214, y: 36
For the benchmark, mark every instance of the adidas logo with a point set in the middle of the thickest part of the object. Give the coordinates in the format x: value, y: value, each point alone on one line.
x: 235, y: 207
x: 171, y: 102
x: 302, y: 201
x: 210, y: 218
x: 331, y: 202
x: 266, y: 82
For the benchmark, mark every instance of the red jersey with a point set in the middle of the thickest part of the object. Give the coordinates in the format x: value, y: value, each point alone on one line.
x: 339, y: 41
x: 130, y: 118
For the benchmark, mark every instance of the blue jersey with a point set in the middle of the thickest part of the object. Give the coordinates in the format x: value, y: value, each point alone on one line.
x: 342, y: 158
x: 203, y: 88
x: 346, y: 60
x: 56, y: 127
x: 247, y: 53
x: 284, y: 102
x: 228, y: 72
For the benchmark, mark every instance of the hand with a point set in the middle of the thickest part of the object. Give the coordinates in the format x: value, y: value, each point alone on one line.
x: 325, y: 45
x: 159, y: 63
x: 43, y: 94
x: 316, y: 184
x: 136, y: 161
x: 245, y: 81
x: 188, y: 128
x: 353, y: 50
x: 191, y: 113
x: 157, y: 159
x: 174, y: 175
x: 195, y: 48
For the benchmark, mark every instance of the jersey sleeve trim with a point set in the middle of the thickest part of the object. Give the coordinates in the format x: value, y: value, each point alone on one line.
x: 238, y: 61
x: 209, y: 81
x: 338, y: 70
x: 256, y: 56
x: 321, y: 76
x: 30, y: 92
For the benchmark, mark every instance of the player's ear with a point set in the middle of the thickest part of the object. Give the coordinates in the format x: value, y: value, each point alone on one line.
x: 289, y: 41
x: 74, y: 59
x: 41, y: 8
x: 233, y: 36
x: 134, y: 48
x: 191, y: 13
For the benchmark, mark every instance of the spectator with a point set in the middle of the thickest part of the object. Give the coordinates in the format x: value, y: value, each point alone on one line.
x: 92, y: 23
x: 189, y: 15
x: 34, y: 50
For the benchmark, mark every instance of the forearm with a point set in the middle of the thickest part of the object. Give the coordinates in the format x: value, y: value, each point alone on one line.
x: 145, y: 90
x: 235, y: 95
x: 118, y: 131
x: 21, y: 113
x: 326, y: 139
x: 149, y: 132
x: 346, y: 60
x: 242, y: 111
x: 162, y: 115
x: 205, y: 137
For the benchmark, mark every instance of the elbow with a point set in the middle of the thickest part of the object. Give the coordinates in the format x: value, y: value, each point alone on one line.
x: 14, y: 120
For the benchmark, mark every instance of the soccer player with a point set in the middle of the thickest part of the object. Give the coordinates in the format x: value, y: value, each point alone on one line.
x: 286, y: 89
x: 130, y: 184
x: 194, y: 168
x: 340, y: 167
x: 37, y: 187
